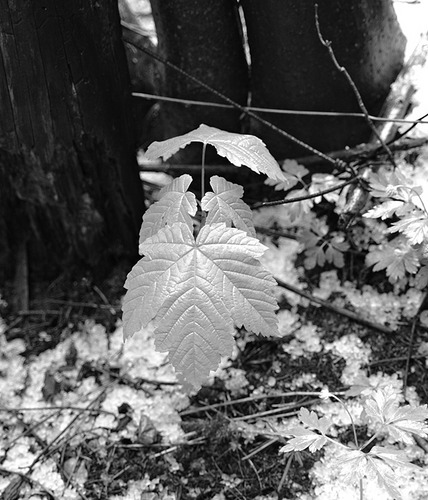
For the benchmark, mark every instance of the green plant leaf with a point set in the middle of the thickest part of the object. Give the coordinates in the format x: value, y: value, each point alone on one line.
x: 380, y: 463
x: 176, y: 204
x: 421, y: 278
x: 302, y: 439
x: 311, y: 419
x: 224, y: 204
x: 196, y: 290
x: 305, y: 438
x: 396, y: 256
x: 414, y: 226
x: 239, y: 149
x: 387, y: 209
x: 298, y: 210
x: 392, y: 184
x: 293, y: 173
x: 401, y: 421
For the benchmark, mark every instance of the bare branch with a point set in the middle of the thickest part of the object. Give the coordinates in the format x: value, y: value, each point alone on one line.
x: 354, y: 88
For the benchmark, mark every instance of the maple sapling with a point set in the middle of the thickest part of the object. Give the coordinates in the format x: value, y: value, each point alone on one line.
x: 198, y: 288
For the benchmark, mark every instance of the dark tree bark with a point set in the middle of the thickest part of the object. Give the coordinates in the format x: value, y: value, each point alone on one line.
x: 142, y: 70
x: 203, y: 38
x: 291, y: 69
x: 68, y: 175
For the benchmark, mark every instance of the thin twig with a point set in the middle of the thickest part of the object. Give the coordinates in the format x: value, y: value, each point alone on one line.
x: 284, y: 474
x: 68, y: 426
x: 415, y: 124
x: 260, y: 448
x: 363, y: 151
x: 337, y: 163
x: 273, y: 232
x: 28, y: 479
x: 331, y: 307
x: 256, y: 472
x: 73, y: 303
x: 29, y: 430
x: 305, y: 197
x: 58, y: 409
x: 248, y: 399
x: 277, y: 412
x: 394, y: 360
x: 211, y: 104
x: 354, y: 88
x: 41, y: 312
x: 104, y: 299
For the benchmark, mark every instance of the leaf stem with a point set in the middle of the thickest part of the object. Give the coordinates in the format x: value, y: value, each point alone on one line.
x: 369, y: 441
x: 204, y: 148
x: 422, y: 202
x: 350, y: 416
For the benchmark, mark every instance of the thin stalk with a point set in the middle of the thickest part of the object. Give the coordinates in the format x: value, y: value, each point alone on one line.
x: 349, y: 414
x: 369, y: 441
x: 204, y: 148
x: 203, y: 213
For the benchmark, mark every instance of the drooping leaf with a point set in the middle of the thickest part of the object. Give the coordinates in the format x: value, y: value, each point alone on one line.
x: 224, y: 204
x: 239, y: 149
x: 176, y: 204
x: 196, y: 290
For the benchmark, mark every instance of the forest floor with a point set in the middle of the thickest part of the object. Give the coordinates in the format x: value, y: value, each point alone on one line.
x: 84, y: 416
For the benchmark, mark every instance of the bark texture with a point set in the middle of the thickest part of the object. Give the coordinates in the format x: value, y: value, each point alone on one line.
x: 291, y: 69
x: 68, y: 175
x: 203, y: 38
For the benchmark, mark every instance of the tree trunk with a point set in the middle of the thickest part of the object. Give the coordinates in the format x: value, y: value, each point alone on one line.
x: 291, y: 69
x: 203, y: 38
x: 68, y: 174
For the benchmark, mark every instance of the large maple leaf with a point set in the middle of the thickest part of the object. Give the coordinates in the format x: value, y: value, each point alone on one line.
x: 196, y: 290
x: 239, y: 149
